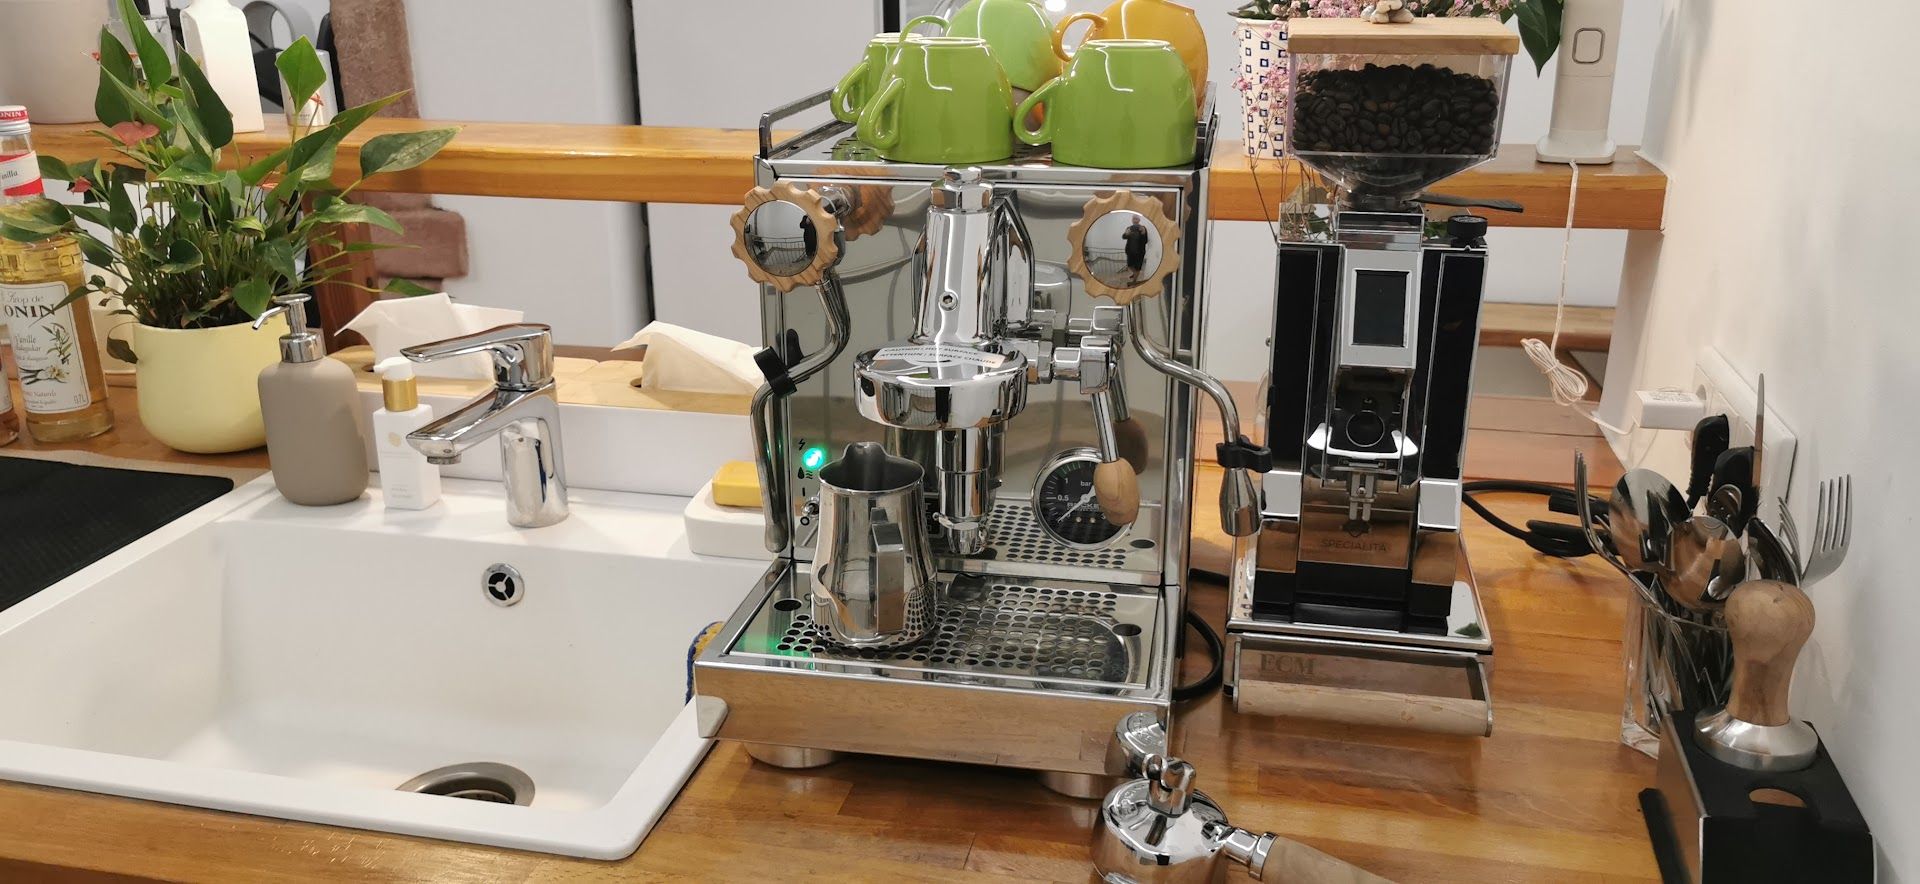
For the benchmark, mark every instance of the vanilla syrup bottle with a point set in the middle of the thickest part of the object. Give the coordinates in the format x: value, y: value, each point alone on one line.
x: 61, y: 385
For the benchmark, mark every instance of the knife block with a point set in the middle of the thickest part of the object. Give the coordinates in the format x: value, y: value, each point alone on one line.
x: 1707, y: 829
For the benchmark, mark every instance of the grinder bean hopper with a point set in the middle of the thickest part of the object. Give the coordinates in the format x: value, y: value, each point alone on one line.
x: 1355, y: 602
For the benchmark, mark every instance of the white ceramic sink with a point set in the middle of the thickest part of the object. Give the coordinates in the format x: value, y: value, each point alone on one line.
x: 295, y: 662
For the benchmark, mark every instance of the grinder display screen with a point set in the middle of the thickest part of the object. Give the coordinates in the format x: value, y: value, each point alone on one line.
x: 1380, y: 308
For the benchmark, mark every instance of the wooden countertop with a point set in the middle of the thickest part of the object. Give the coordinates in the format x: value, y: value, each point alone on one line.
x: 667, y: 164
x: 1549, y: 797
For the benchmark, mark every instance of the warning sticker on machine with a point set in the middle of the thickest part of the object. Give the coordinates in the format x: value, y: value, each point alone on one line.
x: 941, y: 354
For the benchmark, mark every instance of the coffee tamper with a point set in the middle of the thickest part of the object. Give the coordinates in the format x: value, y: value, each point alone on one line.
x: 1158, y: 830
x: 1768, y: 622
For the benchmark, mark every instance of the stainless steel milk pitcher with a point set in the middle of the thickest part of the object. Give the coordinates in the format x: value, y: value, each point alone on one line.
x: 872, y: 571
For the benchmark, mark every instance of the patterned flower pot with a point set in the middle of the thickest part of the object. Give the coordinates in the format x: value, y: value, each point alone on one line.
x: 1262, y: 82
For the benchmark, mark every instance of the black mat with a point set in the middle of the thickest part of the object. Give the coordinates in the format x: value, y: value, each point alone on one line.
x: 56, y: 518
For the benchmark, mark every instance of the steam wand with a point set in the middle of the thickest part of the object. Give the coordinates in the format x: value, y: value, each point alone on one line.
x: 1239, y: 497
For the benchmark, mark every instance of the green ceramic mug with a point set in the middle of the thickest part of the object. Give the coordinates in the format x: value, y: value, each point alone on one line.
x: 946, y: 101
x: 1121, y: 104
x: 863, y: 82
x: 1019, y: 32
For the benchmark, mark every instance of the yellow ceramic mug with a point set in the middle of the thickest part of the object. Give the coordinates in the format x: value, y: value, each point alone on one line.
x: 1146, y: 20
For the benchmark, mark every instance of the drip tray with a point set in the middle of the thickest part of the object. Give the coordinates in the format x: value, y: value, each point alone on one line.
x: 1047, y: 633
x: 1017, y: 672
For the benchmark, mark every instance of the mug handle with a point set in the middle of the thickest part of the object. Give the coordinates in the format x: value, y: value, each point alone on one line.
x: 1043, y: 134
x: 1060, y: 31
x: 846, y: 105
x: 878, y: 127
x: 907, y: 28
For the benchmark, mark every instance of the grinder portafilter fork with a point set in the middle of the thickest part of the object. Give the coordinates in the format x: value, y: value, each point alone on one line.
x: 789, y: 236
x: 1124, y: 247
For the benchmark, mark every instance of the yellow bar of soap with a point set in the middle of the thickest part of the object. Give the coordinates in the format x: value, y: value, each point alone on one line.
x: 737, y: 483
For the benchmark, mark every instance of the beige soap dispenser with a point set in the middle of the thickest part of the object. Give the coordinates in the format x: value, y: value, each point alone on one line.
x: 316, y: 433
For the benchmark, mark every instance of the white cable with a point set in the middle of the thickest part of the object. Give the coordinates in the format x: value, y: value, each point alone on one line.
x: 1567, y: 383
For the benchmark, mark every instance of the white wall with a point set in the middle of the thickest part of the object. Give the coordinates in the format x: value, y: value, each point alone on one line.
x: 578, y: 266
x: 1789, y: 230
x: 791, y: 50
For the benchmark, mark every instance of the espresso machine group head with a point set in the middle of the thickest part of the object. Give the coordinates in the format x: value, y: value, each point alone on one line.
x: 1010, y: 349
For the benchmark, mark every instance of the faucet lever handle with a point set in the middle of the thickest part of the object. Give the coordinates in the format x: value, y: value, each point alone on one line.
x: 522, y: 353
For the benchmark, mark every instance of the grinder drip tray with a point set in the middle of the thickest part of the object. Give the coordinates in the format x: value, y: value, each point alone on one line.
x: 992, y: 630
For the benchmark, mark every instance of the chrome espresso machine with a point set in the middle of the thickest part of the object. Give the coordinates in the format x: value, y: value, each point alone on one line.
x: 1355, y: 601
x: 976, y: 449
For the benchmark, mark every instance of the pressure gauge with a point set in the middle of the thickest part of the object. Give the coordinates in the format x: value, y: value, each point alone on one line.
x: 1065, y: 504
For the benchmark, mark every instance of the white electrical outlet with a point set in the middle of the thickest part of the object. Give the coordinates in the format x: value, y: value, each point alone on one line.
x: 1726, y: 392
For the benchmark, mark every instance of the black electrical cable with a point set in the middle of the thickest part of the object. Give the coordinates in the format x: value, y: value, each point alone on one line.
x: 1548, y: 538
x: 1216, y: 648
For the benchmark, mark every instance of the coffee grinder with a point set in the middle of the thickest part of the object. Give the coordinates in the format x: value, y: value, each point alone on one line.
x: 1356, y: 602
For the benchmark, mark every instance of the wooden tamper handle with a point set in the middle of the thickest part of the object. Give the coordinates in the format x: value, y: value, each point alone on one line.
x: 1768, y: 622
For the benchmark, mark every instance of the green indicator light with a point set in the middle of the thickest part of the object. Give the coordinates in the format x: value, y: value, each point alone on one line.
x: 813, y: 458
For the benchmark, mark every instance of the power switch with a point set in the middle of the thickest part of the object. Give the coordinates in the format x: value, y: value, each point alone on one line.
x: 1589, y: 44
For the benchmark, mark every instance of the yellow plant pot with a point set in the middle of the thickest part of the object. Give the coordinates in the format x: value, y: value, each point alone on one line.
x: 199, y: 387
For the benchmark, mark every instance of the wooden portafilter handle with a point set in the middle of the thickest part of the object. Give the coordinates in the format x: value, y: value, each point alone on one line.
x: 1768, y: 622
x: 1290, y: 862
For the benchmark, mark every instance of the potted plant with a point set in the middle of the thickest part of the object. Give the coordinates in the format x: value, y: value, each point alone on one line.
x: 197, y: 243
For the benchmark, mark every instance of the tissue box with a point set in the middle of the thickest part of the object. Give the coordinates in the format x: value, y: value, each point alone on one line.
x: 613, y: 436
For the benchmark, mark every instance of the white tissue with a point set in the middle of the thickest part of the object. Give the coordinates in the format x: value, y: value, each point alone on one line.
x: 391, y: 325
x: 679, y: 358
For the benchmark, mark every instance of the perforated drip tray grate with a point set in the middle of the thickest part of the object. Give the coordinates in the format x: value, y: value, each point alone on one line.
x: 1006, y: 628
x: 1017, y: 544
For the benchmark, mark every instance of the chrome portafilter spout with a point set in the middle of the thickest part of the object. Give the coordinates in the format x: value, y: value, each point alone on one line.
x: 1158, y: 829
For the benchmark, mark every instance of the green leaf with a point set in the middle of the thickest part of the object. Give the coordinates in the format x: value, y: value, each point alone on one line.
x: 119, y: 349
x: 182, y: 256
x: 54, y: 168
x: 350, y: 119
x: 278, y: 256
x: 251, y: 225
x: 355, y: 213
x: 97, y: 252
x: 1539, y: 29
x: 153, y: 56
x: 407, y: 288
x: 259, y: 169
x: 121, y: 215
x: 399, y: 151
x: 37, y: 215
x: 142, y: 110
x: 300, y: 66
x: 183, y: 175
x: 115, y: 66
x: 253, y: 295
x: 90, y: 214
x: 215, y: 119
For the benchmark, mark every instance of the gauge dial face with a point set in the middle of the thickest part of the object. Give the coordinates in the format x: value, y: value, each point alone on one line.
x: 1067, y: 507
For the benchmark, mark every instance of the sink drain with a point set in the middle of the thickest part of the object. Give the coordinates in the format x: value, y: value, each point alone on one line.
x: 475, y: 781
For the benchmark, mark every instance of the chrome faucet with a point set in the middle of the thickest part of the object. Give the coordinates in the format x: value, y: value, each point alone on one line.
x: 522, y: 409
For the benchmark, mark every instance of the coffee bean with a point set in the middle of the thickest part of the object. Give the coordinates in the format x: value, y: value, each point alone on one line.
x: 1395, y: 107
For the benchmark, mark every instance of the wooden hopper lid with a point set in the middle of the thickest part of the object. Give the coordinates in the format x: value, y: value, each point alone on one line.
x: 1422, y: 36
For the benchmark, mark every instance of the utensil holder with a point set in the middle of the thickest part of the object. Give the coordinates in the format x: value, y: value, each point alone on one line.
x: 1674, y: 659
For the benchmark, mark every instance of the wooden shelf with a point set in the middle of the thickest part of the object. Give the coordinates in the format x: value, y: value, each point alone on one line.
x: 1506, y: 325
x: 665, y: 164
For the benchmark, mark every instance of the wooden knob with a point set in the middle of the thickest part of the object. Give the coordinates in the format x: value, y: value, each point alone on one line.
x: 1118, y: 491
x: 1290, y: 862
x: 1147, y: 282
x: 825, y: 235
x: 1768, y: 622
